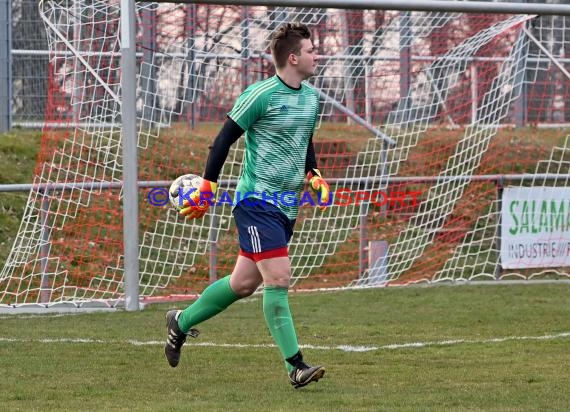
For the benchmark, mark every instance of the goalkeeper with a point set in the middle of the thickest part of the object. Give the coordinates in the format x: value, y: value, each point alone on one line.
x: 278, y: 116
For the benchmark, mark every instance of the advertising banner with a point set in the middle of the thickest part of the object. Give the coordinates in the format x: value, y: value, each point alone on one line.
x: 535, y: 227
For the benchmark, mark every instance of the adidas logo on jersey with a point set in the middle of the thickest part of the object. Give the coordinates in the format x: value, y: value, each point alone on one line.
x: 284, y: 109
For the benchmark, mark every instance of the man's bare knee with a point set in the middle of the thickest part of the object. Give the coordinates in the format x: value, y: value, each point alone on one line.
x: 245, y: 277
x: 275, y: 271
x: 277, y: 280
x: 245, y: 288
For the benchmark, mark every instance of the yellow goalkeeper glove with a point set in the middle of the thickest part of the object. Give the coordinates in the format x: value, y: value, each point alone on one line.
x: 318, y: 184
x: 200, y: 200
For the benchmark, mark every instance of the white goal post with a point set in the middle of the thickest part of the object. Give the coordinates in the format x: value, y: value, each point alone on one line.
x: 416, y: 100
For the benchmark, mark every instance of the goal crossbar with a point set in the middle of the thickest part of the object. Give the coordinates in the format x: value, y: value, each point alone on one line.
x: 417, y: 5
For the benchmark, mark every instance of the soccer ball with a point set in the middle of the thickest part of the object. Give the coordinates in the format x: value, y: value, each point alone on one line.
x: 181, y: 188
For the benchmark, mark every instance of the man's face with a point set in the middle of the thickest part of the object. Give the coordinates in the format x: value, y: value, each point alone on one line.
x: 307, y: 59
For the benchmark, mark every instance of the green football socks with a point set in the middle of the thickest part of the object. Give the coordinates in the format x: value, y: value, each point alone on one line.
x: 214, y: 299
x: 279, y: 321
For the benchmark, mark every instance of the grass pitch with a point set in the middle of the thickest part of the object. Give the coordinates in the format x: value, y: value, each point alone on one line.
x: 468, y: 348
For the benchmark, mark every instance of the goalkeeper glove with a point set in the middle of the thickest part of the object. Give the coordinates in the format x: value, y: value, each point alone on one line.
x: 200, y: 200
x: 318, y: 184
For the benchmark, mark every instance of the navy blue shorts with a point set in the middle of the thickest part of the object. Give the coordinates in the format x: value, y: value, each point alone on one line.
x: 264, y: 231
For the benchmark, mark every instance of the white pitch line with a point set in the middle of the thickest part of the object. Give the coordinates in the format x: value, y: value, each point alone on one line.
x: 41, y: 315
x: 343, y: 348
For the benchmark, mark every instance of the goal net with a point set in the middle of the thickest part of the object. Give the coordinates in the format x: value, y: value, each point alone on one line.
x: 416, y: 135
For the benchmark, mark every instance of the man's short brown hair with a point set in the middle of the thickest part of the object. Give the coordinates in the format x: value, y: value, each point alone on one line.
x: 286, y: 40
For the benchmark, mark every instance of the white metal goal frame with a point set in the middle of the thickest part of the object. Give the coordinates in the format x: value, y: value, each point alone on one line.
x: 411, y: 245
